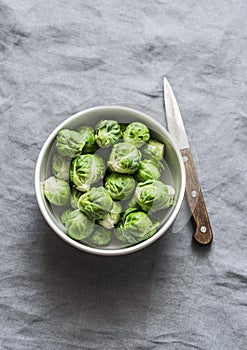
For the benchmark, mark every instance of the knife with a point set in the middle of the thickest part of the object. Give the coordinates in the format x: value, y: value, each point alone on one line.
x: 203, y: 232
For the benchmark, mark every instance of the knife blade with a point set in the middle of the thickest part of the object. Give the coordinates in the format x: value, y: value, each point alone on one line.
x: 203, y: 232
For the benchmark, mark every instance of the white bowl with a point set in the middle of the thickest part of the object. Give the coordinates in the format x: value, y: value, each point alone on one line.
x: 124, y: 115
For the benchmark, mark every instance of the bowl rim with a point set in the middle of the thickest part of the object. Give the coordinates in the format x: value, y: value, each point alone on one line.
x: 98, y: 251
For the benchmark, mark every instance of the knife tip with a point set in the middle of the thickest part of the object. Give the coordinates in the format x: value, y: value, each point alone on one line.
x: 165, y: 81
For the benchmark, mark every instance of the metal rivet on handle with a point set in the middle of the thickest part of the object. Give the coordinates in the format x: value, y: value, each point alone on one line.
x: 185, y: 159
x: 194, y: 194
x: 203, y: 229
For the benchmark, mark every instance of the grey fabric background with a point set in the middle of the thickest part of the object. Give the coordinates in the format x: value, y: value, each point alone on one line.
x: 59, y: 57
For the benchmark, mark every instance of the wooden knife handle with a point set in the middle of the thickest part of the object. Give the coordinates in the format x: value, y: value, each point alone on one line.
x: 203, y: 233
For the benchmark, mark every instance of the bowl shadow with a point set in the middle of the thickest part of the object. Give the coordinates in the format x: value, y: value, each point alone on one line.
x: 97, y: 287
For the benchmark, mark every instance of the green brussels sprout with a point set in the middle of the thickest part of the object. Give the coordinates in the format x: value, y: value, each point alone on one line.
x: 60, y: 167
x: 120, y: 186
x: 57, y: 191
x: 69, y: 143
x: 135, y: 227
x: 137, y: 134
x: 154, y: 195
x: 111, y: 218
x: 75, y: 195
x: 133, y: 204
x: 124, y: 158
x: 153, y: 149
x: 65, y: 215
x: 88, y: 134
x: 149, y: 169
x: 77, y: 225
x: 86, y: 170
x: 101, y: 236
x: 107, y: 132
x: 96, y: 203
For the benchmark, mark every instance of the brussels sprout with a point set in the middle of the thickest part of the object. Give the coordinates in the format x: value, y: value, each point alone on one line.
x: 132, y: 203
x: 124, y: 158
x: 149, y: 169
x: 65, y: 215
x: 77, y: 225
x: 111, y: 218
x: 75, y: 195
x: 69, y: 143
x: 86, y: 170
x: 101, y: 236
x: 120, y: 186
x: 137, y: 134
x: 88, y: 134
x: 96, y: 203
x: 107, y: 132
x: 135, y: 227
x: 154, y: 195
x: 57, y: 191
x: 153, y: 149
x: 60, y: 167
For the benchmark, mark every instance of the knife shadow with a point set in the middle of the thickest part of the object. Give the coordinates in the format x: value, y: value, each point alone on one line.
x: 201, y: 251
x: 185, y: 219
